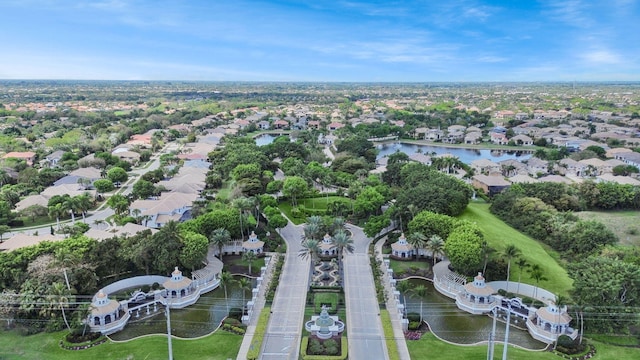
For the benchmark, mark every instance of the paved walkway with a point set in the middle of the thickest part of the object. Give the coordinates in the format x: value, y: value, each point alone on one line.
x: 398, y: 334
x: 257, y: 308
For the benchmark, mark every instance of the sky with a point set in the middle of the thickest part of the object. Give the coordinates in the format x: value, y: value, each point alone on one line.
x: 321, y: 40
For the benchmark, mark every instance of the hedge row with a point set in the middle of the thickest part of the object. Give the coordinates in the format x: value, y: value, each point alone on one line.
x: 343, y: 355
x: 258, y: 336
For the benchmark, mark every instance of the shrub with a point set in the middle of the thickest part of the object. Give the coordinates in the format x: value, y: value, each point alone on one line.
x: 413, y: 317
x: 76, y: 337
x: 414, y: 325
x: 258, y: 337
x: 235, y: 313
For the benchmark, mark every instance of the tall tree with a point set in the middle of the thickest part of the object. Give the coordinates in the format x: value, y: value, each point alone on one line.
x: 522, y: 264
x: 220, y: 237
x: 343, y: 242
x: 249, y: 257
x: 537, y: 274
x: 418, y: 241
x: 435, y: 244
x: 59, y: 294
x: 225, y: 279
x: 244, y: 284
x: 510, y: 252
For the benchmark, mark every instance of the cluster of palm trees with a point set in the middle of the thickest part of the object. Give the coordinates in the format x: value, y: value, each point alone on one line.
x: 341, y: 240
x: 536, y: 272
x: 73, y: 205
x: 226, y: 279
x: 434, y: 244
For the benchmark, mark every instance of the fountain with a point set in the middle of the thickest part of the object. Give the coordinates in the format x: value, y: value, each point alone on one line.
x: 324, y: 326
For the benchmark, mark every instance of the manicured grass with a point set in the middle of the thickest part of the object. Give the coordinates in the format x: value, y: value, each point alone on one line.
x: 219, y: 345
x: 317, y: 204
x: 429, y: 347
x: 399, y: 266
x: 499, y: 234
x: 392, y: 348
x: 622, y: 223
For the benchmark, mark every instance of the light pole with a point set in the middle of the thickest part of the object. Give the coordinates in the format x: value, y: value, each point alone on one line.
x: 168, y: 314
x: 492, y: 335
x: 506, y: 332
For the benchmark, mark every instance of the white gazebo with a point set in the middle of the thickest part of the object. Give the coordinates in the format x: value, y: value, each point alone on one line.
x: 401, y: 248
x: 253, y: 244
x: 326, y: 246
x: 477, y: 297
x: 104, y: 310
x: 177, y: 286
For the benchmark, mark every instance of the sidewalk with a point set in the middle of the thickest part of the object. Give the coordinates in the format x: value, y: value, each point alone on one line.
x: 398, y: 334
x: 257, y: 309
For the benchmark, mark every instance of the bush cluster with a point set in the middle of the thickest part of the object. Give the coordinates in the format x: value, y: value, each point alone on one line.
x: 233, y: 329
x: 273, y: 284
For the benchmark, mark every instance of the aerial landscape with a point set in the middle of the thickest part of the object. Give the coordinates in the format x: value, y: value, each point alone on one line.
x: 301, y: 180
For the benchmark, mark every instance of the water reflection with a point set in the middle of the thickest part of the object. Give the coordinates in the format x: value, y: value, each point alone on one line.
x: 465, y: 155
x: 452, y: 324
x: 196, y: 320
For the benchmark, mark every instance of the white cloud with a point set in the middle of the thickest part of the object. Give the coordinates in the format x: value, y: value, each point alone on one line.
x: 601, y: 57
x: 571, y: 12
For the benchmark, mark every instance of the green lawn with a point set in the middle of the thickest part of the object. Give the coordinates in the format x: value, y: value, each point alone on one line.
x: 399, y: 266
x: 219, y: 345
x: 623, y: 223
x: 499, y: 234
x: 429, y: 347
x: 318, y: 204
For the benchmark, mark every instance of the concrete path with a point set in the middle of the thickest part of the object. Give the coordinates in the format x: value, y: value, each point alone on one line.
x: 398, y: 334
x: 364, y: 328
x: 282, y: 340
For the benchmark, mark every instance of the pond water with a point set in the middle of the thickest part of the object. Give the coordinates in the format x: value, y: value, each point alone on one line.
x: 193, y: 321
x: 465, y: 155
x: 455, y: 325
x: 265, y: 139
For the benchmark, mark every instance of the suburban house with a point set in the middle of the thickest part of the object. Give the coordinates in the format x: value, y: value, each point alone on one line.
x: 491, y: 185
x: 485, y: 166
x: 172, y: 206
x: 52, y: 159
x: 499, y: 138
x: 28, y: 156
x: 522, y: 140
x: 537, y: 166
x: 473, y: 138
x: 630, y: 158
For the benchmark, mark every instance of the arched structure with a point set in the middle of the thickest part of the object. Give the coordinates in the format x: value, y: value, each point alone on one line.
x: 327, y: 247
x: 253, y: 244
x: 401, y: 249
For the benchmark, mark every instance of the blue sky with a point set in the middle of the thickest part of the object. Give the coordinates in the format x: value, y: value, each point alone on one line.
x: 294, y: 40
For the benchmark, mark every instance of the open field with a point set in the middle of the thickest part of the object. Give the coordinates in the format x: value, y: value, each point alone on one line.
x: 499, y: 234
x: 44, y: 346
x: 623, y: 223
x: 429, y: 347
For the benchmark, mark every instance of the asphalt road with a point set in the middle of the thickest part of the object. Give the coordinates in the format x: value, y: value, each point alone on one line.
x: 282, y: 340
x: 366, y: 337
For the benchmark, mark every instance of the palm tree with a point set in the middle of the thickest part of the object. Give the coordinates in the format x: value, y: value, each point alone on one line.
x: 242, y: 204
x: 403, y: 287
x: 510, y: 252
x: 487, y: 251
x: 225, y: 279
x: 82, y: 313
x: 338, y: 224
x: 71, y: 204
x: 418, y: 241
x: 561, y: 301
x: 522, y: 264
x: 220, y: 237
x: 419, y: 291
x: 250, y: 257
x: 244, y: 284
x: 435, y: 244
x: 84, y: 204
x: 342, y: 242
x: 310, y: 249
x: 311, y: 231
x: 537, y: 274
x: 56, y: 211
x: 58, y: 293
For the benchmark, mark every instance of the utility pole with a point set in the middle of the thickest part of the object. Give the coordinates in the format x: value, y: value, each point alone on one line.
x: 492, y: 335
x: 506, y: 333
x: 168, y: 314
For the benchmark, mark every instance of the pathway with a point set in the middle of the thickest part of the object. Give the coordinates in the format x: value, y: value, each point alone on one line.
x: 398, y: 334
x: 364, y: 328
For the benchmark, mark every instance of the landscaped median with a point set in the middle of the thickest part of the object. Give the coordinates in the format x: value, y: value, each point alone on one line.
x: 389, y: 337
x: 258, y: 336
x: 343, y: 354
